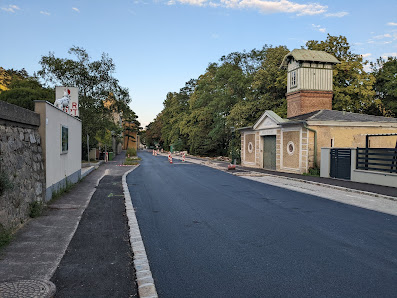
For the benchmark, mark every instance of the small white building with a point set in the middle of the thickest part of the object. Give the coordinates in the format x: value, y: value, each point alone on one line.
x: 61, y: 144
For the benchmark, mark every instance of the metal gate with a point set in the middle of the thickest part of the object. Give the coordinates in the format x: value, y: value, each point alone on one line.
x: 340, y: 163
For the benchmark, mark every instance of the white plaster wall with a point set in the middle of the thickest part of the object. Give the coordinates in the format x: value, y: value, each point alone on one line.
x: 61, y: 165
x: 325, y: 165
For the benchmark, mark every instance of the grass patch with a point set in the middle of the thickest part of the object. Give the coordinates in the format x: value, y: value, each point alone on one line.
x: 132, y: 161
x: 58, y: 193
x: 313, y: 172
x: 5, y: 236
x: 35, y: 209
x: 131, y: 152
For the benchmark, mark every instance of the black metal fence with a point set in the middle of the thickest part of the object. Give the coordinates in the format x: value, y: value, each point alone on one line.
x: 340, y: 163
x: 377, y: 159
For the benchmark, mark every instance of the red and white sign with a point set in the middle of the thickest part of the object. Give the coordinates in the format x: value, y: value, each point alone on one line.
x: 67, y: 99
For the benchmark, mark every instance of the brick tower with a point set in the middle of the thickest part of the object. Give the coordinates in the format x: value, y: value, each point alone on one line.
x: 309, y: 81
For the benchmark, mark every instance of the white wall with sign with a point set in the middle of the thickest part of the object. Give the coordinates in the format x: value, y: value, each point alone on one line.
x: 61, y: 144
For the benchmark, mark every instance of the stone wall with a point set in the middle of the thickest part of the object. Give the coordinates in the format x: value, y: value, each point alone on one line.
x: 21, y: 162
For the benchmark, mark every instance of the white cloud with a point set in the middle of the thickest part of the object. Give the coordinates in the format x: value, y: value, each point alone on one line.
x: 319, y: 28
x: 214, y: 36
x: 285, y: 6
x: 387, y: 35
x: 11, y: 8
x: 193, y: 2
x: 171, y: 2
x: 76, y: 9
x: 337, y: 14
x: 213, y: 4
x: 367, y: 55
x: 45, y: 13
x: 264, y: 6
x: 392, y: 24
x: 385, y: 55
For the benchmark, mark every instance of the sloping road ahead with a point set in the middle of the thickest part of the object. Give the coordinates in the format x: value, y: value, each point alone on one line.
x: 211, y: 234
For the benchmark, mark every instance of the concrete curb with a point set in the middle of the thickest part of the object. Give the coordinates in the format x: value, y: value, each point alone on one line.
x: 87, y: 172
x: 146, y: 287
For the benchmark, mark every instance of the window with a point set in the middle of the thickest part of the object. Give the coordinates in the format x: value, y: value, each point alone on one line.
x: 250, y: 147
x: 332, y: 143
x: 64, y: 139
x: 293, y: 78
x: 290, y: 148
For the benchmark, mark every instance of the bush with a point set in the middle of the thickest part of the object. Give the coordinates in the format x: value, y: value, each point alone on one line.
x: 131, y: 152
x: 35, y: 209
x: 313, y: 172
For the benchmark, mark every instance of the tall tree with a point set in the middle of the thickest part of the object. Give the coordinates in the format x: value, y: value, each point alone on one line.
x: 353, y: 86
x: 95, y: 82
x: 131, y: 126
x: 266, y: 91
x: 385, y: 72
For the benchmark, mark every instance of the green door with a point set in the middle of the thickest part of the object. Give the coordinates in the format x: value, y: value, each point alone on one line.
x: 269, y: 152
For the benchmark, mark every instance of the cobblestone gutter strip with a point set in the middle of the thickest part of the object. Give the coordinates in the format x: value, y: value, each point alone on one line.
x: 146, y: 287
x: 256, y: 174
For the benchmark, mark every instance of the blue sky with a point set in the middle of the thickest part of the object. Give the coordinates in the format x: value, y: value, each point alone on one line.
x: 159, y: 45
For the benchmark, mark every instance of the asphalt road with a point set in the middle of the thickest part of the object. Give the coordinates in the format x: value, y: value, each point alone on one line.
x: 98, y: 260
x: 211, y: 234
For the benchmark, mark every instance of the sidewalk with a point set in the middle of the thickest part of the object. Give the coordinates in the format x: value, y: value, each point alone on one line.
x: 330, y: 182
x: 38, y: 248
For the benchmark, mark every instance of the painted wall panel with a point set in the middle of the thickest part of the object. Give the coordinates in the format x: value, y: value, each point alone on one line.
x: 59, y: 165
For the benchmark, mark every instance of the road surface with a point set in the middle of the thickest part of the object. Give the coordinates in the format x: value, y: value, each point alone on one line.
x: 211, y: 234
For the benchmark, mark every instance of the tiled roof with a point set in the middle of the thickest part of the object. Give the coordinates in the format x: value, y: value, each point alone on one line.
x: 310, y: 56
x: 332, y: 115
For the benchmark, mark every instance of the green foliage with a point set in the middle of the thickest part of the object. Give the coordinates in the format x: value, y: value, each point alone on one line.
x: 96, y: 84
x: 231, y: 93
x: 152, y: 135
x: 385, y: 72
x: 35, y: 209
x: 313, y: 172
x: 104, y: 137
x: 353, y: 86
x: 131, y: 126
x: 5, y: 183
x: 131, y: 161
x: 24, y: 90
x: 131, y: 152
x: 5, y: 236
x: 60, y: 191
